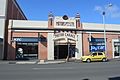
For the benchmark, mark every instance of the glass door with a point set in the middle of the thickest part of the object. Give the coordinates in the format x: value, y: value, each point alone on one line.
x: 116, y: 49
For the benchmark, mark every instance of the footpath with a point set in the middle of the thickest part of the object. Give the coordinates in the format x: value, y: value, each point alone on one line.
x: 45, y: 62
x: 32, y: 62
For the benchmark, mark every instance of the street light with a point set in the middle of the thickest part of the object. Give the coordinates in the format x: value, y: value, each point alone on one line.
x: 103, y: 14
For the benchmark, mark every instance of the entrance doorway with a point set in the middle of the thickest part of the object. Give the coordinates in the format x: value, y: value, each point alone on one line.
x: 64, y: 44
x: 62, y: 51
x: 30, y: 51
x: 116, y: 49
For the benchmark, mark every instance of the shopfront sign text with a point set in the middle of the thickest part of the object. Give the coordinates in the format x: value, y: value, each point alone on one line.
x: 64, y: 23
x: 94, y: 48
x: 64, y: 35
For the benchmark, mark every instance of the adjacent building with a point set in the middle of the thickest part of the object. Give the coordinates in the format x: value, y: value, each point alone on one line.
x: 9, y: 9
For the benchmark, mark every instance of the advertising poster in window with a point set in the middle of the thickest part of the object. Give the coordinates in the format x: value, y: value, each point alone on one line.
x: 97, y: 48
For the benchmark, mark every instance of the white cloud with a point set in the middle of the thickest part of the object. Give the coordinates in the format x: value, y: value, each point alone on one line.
x: 98, y: 8
x: 113, y: 11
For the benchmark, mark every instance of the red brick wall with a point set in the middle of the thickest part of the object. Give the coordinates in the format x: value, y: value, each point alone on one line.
x: 50, y: 23
x: 25, y: 34
x: 42, y: 46
x: 109, y: 43
x: 85, y: 44
x: 43, y: 51
x: 78, y: 24
x: 14, y: 11
x: 11, y: 52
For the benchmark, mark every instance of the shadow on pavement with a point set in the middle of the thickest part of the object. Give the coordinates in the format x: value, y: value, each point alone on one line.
x: 114, y: 78
x: 85, y: 79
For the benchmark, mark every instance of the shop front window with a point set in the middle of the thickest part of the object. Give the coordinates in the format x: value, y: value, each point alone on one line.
x: 97, y: 45
x: 27, y: 51
x: 117, y: 49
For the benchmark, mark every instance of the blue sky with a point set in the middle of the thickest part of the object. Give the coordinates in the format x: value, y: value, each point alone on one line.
x: 90, y: 10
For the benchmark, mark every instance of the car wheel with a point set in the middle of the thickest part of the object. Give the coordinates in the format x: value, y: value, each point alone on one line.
x: 104, y: 60
x: 88, y: 60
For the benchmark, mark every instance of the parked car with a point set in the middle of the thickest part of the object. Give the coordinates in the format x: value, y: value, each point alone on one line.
x: 94, y: 56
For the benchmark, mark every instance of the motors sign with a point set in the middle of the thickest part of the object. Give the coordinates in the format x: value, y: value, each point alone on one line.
x: 65, y: 23
x: 59, y: 22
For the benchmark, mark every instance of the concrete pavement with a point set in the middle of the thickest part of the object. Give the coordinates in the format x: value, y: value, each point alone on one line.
x: 44, y: 62
x: 32, y: 62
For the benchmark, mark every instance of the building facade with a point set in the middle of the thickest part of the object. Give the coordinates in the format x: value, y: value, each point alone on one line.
x: 59, y: 37
x: 9, y: 9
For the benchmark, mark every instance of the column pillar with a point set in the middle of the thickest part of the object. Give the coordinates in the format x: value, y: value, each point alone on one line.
x: 78, y: 24
x: 50, y: 41
x: 39, y: 50
x: 50, y: 46
x: 11, y: 55
x: 78, y: 52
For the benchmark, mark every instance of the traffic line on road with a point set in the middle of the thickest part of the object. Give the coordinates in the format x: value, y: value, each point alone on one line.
x: 60, y: 68
x: 24, y: 62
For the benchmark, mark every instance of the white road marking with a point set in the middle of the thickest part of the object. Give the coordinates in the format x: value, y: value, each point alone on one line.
x: 62, y: 68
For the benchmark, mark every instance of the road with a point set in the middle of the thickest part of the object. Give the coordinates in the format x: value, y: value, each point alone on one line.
x: 64, y: 71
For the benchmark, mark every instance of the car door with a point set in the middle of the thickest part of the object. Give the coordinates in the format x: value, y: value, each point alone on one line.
x: 94, y: 56
x: 100, y: 55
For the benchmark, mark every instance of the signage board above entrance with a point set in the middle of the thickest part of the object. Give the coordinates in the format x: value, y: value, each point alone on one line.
x: 59, y: 22
x: 65, y: 24
x: 64, y: 35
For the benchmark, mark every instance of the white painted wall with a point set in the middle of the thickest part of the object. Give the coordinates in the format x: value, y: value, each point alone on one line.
x: 96, y: 26
x: 2, y: 24
x: 29, y: 24
x: 44, y: 24
x: 2, y: 17
x: 78, y: 53
x: 50, y: 46
x: 2, y: 7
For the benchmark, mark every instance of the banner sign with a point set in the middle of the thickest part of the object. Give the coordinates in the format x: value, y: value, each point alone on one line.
x: 59, y: 22
x: 94, y: 48
x: 97, y: 40
x: 64, y: 35
x: 65, y: 23
x: 25, y: 39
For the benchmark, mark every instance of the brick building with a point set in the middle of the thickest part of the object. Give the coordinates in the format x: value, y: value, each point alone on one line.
x: 57, y: 38
x: 61, y: 36
x: 9, y: 9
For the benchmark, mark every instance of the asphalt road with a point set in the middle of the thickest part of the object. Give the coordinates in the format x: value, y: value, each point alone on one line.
x: 64, y: 71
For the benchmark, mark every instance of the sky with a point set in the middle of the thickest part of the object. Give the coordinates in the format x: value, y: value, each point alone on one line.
x: 90, y: 10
